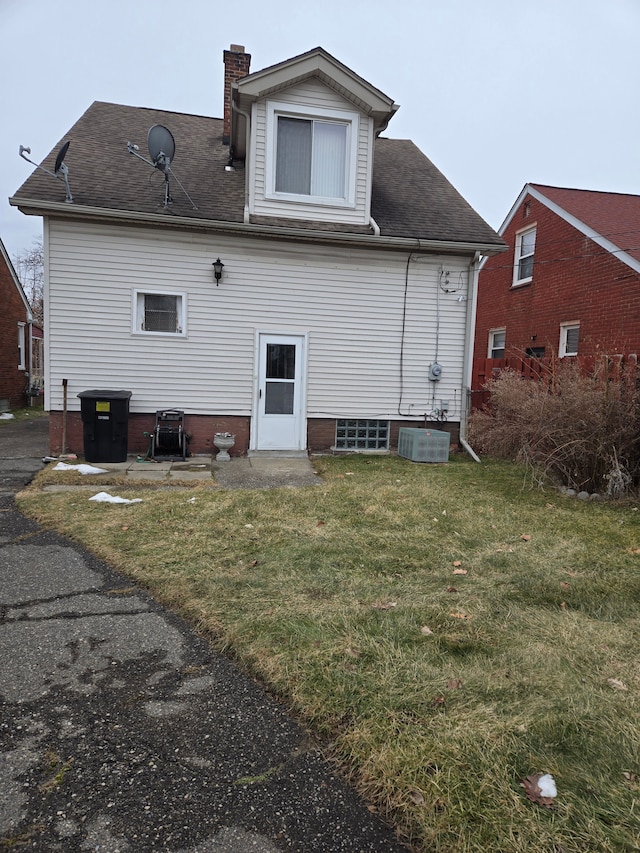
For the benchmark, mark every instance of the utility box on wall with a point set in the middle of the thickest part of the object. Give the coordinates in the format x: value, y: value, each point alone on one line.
x: 423, y: 445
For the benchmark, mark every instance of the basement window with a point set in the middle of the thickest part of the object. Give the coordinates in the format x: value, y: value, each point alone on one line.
x: 362, y: 435
x: 159, y: 313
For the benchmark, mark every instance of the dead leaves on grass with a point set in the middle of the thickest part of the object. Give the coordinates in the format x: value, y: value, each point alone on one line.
x: 540, y: 788
x: 416, y: 797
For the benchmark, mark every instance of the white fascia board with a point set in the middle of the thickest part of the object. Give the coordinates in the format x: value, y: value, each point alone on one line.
x: 61, y: 210
x: 525, y: 190
x: 316, y: 64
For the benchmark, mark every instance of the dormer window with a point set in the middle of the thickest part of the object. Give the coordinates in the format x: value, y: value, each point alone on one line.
x: 313, y: 157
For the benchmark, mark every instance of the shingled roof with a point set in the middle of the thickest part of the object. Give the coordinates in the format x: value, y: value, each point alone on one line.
x: 614, y: 216
x: 411, y: 199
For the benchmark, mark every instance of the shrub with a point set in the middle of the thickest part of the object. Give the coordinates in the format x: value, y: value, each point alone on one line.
x: 580, y: 427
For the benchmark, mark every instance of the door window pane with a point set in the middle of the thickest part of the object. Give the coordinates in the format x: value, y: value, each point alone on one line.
x: 279, y: 398
x: 281, y: 361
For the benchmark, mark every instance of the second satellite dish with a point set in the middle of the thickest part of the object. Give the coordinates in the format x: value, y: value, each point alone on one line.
x: 162, y: 149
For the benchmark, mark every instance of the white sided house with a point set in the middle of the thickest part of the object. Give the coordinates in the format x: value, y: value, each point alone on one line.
x: 344, y: 306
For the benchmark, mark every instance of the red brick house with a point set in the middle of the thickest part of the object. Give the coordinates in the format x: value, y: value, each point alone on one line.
x: 16, y: 332
x: 570, y: 283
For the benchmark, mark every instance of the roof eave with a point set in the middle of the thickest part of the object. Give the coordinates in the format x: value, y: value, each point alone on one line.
x: 62, y: 210
x: 16, y: 281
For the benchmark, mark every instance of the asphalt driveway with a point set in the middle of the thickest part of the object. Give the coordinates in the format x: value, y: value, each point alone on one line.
x: 121, y: 730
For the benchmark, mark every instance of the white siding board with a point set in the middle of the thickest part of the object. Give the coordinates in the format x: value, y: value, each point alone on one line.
x: 349, y: 302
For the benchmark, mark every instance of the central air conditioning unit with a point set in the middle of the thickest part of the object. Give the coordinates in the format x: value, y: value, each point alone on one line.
x: 424, y: 445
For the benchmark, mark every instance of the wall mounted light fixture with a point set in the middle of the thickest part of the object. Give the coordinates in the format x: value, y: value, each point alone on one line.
x: 217, y: 270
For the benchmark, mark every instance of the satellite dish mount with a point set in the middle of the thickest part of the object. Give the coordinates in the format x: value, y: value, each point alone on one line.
x: 162, y: 149
x: 60, y: 170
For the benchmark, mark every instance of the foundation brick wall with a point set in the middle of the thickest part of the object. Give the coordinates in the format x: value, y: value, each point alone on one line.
x: 321, y: 433
x: 202, y: 429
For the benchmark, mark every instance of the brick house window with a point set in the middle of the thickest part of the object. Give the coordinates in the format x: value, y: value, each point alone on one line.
x: 569, y: 335
x: 497, y: 340
x: 534, y: 352
x: 523, y: 256
x: 22, y: 358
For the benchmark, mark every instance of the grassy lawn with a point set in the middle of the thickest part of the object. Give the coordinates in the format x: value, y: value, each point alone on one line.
x: 446, y: 631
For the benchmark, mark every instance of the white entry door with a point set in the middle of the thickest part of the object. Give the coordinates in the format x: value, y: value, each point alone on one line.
x: 280, y: 422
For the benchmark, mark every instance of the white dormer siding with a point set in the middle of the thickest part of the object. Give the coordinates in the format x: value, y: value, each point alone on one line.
x: 315, y: 101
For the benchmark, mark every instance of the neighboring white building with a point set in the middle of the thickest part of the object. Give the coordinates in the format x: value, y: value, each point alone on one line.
x: 349, y: 268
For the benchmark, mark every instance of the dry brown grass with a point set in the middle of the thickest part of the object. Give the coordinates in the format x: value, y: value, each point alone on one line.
x: 325, y: 593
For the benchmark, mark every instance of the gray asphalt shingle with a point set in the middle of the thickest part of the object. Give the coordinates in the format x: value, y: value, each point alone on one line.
x: 411, y: 198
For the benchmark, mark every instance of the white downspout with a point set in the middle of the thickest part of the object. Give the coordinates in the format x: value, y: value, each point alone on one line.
x: 247, y: 159
x: 472, y: 300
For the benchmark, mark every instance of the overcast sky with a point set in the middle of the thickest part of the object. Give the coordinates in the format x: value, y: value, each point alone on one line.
x: 497, y: 93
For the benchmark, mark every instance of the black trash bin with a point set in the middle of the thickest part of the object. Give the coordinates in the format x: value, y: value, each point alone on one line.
x: 105, y: 422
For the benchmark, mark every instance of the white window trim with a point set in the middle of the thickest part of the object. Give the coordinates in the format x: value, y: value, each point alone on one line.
x: 351, y: 119
x: 562, y: 347
x: 137, y: 313
x: 517, y: 256
x: 492, y: 334
x: 22, y: 346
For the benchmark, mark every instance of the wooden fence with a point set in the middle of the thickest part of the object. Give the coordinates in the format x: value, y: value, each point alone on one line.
x: 613, y: 367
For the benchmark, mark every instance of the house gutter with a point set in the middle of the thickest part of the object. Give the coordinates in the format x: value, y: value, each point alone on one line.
x: 62, y: 210
x: 472, y: 301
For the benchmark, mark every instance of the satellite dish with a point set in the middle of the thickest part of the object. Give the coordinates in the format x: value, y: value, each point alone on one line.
x: 162, y: 149
x: 161, y: 145
x: 62, y: 153
x: 60, y: 170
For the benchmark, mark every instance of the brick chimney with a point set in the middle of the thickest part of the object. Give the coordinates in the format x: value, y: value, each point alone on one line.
x: 236, y: 65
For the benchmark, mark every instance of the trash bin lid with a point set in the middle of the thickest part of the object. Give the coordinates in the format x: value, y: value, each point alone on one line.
x: 104, y: 395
